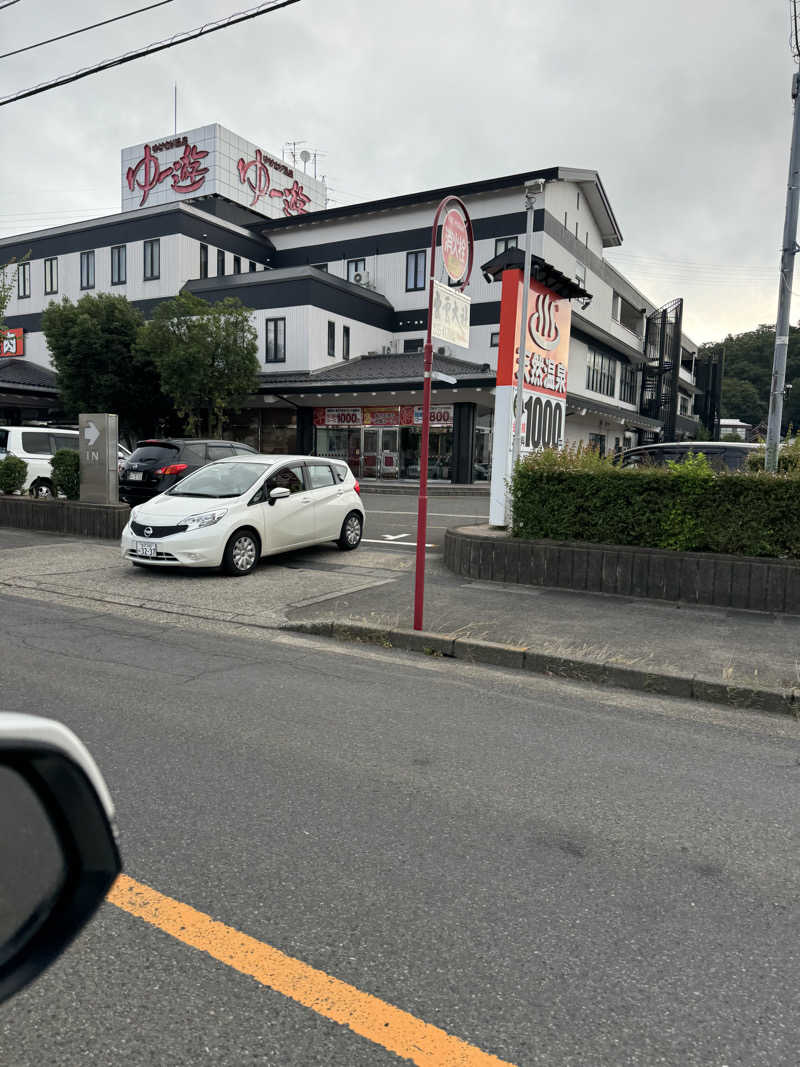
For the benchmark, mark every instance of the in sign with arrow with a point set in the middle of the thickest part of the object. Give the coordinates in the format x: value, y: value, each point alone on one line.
x: 91, y: 433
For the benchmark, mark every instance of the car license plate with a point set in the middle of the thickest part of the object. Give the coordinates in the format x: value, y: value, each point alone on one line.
x: 146, y: 548
x: 135, y: 476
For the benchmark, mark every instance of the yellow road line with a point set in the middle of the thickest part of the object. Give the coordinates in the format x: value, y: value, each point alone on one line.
x: 372, y: 1018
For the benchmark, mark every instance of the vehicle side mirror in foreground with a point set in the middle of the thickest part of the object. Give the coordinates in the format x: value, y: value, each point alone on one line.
x: 58, y: 847
x: 278, y: 493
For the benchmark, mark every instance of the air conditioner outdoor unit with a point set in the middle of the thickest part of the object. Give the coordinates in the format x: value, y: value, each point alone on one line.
x: 361, y: 278
x: 441, y: 351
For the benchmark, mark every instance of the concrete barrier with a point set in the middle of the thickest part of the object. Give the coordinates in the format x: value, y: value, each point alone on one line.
x: 689, y: 577
x: 69, y: 517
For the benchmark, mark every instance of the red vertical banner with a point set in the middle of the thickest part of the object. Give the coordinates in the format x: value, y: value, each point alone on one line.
x: 545, y: 361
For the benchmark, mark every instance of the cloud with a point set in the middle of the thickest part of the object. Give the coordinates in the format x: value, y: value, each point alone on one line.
x: 683, y: 108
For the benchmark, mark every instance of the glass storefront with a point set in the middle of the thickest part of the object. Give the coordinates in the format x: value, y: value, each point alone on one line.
x: 385, y: 442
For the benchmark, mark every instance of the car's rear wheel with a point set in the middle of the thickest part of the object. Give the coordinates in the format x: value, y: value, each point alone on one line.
x: 42, y: 489
x: 352, y: 529
x: 241, y: 553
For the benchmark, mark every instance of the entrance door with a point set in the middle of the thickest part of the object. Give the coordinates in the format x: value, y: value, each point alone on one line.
x: 390, y: 457
x: 370, y: 459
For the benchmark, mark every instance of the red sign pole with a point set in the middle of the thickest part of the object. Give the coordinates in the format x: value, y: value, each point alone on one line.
x: 422, y: 505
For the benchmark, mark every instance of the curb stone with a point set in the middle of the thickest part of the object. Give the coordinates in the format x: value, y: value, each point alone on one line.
x: 518, y: 657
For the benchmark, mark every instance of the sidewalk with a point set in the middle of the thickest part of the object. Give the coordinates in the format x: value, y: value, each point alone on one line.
x: 742, y: 658
x: 738, y: 658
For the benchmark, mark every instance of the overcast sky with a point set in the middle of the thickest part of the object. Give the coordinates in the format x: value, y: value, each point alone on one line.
x: 683, y: 107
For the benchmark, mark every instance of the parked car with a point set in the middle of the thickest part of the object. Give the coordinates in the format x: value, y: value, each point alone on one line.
x: 233, y: 511
x: 722, y: 455
x: 123, y: 455
x: 157, y: 464
x: 36, y: 445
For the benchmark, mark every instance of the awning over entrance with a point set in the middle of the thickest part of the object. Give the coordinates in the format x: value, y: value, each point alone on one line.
x: 578, y: 405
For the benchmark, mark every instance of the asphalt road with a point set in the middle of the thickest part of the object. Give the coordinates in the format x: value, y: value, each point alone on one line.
x: 553, y: 875
x: 392, y: 517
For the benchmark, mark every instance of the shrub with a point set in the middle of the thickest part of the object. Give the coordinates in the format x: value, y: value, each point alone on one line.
x: 67, y: 473
x: 686, y: 508
x: 13, y: 473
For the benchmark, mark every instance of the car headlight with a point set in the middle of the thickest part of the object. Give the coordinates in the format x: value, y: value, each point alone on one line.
x: 207, y: 518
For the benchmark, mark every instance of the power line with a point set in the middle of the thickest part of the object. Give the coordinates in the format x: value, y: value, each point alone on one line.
x: 8, y: 3
x: 74, y: 33
x: 160, y: 46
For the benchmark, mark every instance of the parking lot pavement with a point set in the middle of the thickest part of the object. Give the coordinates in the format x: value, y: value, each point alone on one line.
x: 392, y: 517
x: 40, y: 566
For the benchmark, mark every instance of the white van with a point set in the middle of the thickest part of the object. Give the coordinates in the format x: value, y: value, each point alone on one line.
x: 36, y: 445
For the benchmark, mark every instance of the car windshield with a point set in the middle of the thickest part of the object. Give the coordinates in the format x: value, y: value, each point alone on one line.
x: 221, y: 479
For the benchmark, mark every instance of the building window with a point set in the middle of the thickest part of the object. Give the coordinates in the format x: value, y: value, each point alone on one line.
x: 252, y: 267
x: 580, y: 274
x: 203, y: 261
x: 87, y: 270
x: 152, y: 260
x: 415, y: 271
x: 627, y: 383
x: 578, y: 200
x: 413, y: 345
x: 600, y: 373
x: 345, y: 342
x: 324, y: 266
x: 502, y: 244
x: 237, y: 264
x: 119, y: 265
x: 23, y: 280
x: 51, y: 275
x: 683, y: 404
x: 494, y: 339
x: 626, y: 314
x: 354, y: 267
x: 597, y: 441
x: 331, y: 338
x: 276, y: 341
x: 220, y: 263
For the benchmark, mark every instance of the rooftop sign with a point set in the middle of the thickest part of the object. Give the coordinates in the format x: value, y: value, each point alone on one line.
x: 213, y: 161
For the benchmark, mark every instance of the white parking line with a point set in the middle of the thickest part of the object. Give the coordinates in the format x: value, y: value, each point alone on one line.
x: 393, y: 544
x: 440, y: 514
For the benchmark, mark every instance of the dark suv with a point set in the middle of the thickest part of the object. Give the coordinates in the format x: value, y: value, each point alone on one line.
x: 157, y: 464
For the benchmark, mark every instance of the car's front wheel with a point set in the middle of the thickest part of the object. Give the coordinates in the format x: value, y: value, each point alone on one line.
x: 42, y: 489
x: 352, y: 528
x: 241, y: 553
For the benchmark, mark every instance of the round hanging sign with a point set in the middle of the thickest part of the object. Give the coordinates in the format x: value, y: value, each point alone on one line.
x: 455, y: 244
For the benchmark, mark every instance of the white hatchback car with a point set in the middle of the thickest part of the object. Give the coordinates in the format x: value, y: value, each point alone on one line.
x: 233, y: 511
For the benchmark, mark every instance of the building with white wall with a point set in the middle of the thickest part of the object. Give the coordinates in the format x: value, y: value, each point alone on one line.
x: 339, y: 300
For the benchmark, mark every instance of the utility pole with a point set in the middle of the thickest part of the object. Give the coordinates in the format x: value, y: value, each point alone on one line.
x: 789, y: 251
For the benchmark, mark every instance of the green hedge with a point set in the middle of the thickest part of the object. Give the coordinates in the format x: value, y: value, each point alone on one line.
x: 66, y: 465
x: 13, y: 472
x: 741, y: 514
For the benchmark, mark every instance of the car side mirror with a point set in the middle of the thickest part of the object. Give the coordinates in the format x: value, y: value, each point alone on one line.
x: 58, y: 846
x: 278, y: 493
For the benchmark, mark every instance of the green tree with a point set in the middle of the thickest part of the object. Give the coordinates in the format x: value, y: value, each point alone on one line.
x: 748, y: 361
x: 92, y: 344
x: 740, y: 400
x: 206, y: 355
